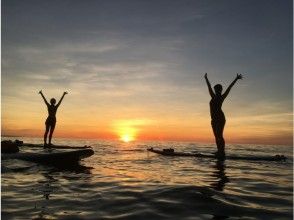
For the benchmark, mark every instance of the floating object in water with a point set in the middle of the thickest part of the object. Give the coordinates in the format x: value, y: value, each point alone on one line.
x: 231, y: 157
x: 54, y: 146
x: 52, y: 158
x: 7, y: 146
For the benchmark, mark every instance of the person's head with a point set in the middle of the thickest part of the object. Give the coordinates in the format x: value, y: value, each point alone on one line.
x: 218, y: 89
x: 53, y: 101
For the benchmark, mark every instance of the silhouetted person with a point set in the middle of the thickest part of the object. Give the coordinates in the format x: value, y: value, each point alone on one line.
x: 218, y: 119
x: 51, y: 119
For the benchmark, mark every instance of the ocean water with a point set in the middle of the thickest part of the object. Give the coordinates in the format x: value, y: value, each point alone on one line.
x: 124, y: 181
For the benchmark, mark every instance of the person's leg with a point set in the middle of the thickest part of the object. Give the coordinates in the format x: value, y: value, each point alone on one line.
x: 218, y: 128
x: 215, y: 133
x: 51, y: 132
x: 46, y: 133
x: 222, y: 140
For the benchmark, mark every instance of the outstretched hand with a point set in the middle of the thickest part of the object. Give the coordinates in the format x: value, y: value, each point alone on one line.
x: 239, y: 76
x: 65, y: 93
x: 205, y: 76
x: 40, y: 92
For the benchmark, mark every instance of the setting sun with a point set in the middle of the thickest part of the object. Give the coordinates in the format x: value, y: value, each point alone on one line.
x: 126, y: 138
x: 125, y: 130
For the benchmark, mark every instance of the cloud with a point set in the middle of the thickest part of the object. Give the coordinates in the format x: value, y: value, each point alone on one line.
x: 147, y: 58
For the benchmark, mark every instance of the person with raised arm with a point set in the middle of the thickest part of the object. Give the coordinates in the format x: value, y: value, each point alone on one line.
x: 51, y: 119
x: 218, y: 119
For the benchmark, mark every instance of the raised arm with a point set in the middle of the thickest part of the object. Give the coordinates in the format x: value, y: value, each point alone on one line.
x: 61, y: 99
x: 209, y: 86
x: 226, y: 93
x: 40, y: 92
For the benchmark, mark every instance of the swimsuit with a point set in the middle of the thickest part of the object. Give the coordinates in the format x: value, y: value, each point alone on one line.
x: 216, y: 112
x: 51, y: 119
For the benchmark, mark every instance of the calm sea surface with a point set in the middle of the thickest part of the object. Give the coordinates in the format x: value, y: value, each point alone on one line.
x: 124, y: 181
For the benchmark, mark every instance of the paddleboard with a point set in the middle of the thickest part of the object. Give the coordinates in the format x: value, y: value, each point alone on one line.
x: 53, y: 158
x: 53, y: 146
x: 231, y: 157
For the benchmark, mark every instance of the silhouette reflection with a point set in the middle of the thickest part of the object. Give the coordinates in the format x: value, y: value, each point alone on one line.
x: 220, y: 174
x: 51, y: 185
x: 72, y: 167
x: 47, y: 190
x: 75, y: 168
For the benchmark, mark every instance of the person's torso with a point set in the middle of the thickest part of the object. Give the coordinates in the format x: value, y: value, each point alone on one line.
x: 216, y: 108
x: 52, y: 111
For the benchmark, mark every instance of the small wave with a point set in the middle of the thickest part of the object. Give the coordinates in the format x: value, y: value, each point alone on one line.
x: 134, y: 150
x: 123, y: 181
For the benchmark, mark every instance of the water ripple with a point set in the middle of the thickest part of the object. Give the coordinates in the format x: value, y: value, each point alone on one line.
x: 126, y: 182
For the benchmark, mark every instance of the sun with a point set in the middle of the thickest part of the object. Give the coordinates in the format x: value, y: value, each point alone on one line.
x: 128, y: 130
x: 126, y: 138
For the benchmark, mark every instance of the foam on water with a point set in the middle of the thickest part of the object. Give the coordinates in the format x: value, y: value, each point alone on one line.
x: 124, y: 181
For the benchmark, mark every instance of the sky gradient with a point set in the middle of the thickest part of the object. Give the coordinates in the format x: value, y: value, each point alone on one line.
x: 135, y: 68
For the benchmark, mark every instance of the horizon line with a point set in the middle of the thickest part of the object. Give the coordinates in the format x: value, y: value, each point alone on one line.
x: 152, y: 140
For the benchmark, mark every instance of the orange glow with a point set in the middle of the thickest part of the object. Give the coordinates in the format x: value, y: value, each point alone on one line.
x: 158, y: 126
x: 126, y: 130
x: 127, y: 138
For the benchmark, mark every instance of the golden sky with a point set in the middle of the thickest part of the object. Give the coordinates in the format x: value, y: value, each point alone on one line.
x: 134, y: 70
